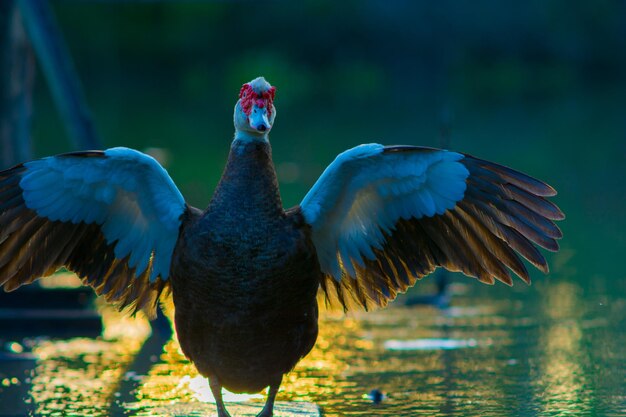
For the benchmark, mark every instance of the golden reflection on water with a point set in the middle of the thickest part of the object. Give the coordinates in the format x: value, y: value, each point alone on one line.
x: 175, y: 379
x: 350, y: 359
x: 563, y: 386
x: 79, y: 376
x: 489, y: 357
x: 320, y: 373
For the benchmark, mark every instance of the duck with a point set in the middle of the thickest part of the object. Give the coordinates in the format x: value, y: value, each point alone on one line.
x: 247, y: 276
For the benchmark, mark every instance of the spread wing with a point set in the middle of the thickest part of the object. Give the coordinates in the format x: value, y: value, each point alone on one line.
x: 383, y: 217
x: 112, y: 217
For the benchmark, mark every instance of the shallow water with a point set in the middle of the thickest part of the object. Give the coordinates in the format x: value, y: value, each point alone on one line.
x: 552, y: 349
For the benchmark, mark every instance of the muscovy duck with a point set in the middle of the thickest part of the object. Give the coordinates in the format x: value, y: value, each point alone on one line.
x: 245, y: 273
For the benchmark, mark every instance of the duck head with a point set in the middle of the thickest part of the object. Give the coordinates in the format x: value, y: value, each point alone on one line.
x: 255, y: 111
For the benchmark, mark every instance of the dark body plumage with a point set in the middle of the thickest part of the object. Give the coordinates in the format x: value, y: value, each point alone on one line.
x: 245, y: 278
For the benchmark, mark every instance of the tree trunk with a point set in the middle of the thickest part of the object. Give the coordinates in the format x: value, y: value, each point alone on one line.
x: 17, y: 70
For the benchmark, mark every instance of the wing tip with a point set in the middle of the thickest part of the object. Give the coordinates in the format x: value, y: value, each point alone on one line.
x: 527, y: 182
x: 523, y: 275
x: 558, y: 214
x: 550, y: 191
x: 550, y: 245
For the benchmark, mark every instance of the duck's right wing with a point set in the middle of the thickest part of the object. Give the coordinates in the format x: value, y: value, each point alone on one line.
x: 112, y: 217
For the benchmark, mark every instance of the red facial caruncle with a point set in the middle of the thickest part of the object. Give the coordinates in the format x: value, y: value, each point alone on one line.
x: 249, y: 97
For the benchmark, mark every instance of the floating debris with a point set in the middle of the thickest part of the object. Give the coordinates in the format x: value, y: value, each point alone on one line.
x: 376, y: 396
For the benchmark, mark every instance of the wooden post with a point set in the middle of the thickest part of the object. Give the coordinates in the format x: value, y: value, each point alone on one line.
x: 17, y: 70
x: 58, y: 68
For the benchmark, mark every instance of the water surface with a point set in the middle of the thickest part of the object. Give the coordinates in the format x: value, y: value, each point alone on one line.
x: 552, y: 349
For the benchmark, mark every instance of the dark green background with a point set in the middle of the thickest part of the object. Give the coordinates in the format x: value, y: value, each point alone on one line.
x: 536, y: 85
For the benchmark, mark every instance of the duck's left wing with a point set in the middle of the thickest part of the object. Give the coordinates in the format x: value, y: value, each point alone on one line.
x: 382, y: 217
x: 112, y: 216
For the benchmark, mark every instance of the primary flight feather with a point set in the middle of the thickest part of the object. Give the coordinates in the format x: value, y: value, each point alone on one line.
x: 245, y: 272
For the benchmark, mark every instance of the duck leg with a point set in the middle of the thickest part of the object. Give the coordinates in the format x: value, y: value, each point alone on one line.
x: 268, y: 409
x: 216, y: 389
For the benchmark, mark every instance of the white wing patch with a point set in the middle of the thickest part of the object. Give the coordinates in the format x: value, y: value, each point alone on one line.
x: 365, y: 191
x: 127, y: 193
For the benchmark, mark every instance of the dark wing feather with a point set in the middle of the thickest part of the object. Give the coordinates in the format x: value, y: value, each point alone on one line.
x: 502, y: 215
x: 33, y: 246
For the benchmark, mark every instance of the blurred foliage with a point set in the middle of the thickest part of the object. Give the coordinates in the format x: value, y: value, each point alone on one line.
x: 538, y: 85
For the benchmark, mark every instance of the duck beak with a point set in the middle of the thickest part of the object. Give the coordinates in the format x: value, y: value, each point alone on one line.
x: 258, y: 119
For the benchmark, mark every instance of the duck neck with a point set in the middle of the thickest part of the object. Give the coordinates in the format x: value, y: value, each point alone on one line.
x: 249, y: 184
x: 244, y: 136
